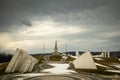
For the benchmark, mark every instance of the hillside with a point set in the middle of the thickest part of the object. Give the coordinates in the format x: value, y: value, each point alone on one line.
x: 104, y: 65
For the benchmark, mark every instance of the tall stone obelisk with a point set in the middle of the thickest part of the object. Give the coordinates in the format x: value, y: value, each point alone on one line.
x: 56, y: 49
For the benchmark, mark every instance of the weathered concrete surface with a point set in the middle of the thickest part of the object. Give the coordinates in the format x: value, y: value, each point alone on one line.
x: 37, y: 76
x: 21, y: 62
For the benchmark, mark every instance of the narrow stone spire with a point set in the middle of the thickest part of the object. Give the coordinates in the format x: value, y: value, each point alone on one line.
x: 108, y: 53
x: 56, y: 49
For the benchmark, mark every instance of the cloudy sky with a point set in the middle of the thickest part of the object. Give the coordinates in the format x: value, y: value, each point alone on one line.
x: 82, y: 24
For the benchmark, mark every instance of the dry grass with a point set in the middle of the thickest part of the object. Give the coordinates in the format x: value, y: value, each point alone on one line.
x: 55, y: 58
x: 101, y: 70
x: 40, y: 58
x: 69, y: 59
x: 98, y: 71
x: 3, y: 67
x: 108, y: 62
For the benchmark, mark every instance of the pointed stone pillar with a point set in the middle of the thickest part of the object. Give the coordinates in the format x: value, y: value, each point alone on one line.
x: 108, y: 53
x: 56, y: 49
x: 77, y: 54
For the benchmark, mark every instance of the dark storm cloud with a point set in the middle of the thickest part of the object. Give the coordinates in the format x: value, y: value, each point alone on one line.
x: 97, y: 12
x: 15, y: 12
x: 26, y: 22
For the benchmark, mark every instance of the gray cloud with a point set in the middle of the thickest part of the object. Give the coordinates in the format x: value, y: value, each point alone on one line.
x: 97, y: 16
x: 26, y: 22
x: 92, y: 12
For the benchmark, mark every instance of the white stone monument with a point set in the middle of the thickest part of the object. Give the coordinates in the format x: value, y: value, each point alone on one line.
x: 106, y: 54
x: 102, y: 54
x: 85, y: 61
x: 21, y: 62
x: 77, y: 54
x: 56, y: 49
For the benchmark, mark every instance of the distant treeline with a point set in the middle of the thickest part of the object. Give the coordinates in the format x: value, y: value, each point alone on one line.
x: 5, y: 57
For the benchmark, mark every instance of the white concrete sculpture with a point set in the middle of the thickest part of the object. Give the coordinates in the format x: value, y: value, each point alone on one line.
x: 106, y: 54
x: 56, y: 49
x: 21, y: 62
x: 85, y: 61
x: 103, y: 54
x: 77, y: 54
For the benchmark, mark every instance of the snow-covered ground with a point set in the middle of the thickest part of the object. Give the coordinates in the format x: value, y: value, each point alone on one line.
x: 115, y: 71
x: 59, y: 69
x: 116, y: 65
x: 102, y: 65
x: 74, y: 56
x: 98, y: 58
x: 56, y: 70
x: 119, y: 59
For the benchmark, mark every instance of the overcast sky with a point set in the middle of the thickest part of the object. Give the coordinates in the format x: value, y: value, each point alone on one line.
x: 82, y: 24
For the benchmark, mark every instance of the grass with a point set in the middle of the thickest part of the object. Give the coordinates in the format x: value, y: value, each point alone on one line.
x: 46, y: 66
x: 98, y: 71
x: 55, y: 58
x: 108, y: 62
x: 101, y: 70
x: 40, y: 58
x: 3, y: 67
x: 69, y: 59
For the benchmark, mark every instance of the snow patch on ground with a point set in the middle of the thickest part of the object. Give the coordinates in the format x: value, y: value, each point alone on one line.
x: 115, y: 71
x: 116, y: 65
x: 74, y: 56
x: 101, y: 65
x: 98, y: 58
x: 59, y: 69
x: 119, y: 59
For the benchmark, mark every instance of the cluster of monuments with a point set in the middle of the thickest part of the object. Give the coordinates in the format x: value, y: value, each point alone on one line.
x: 104, y: 54
x: 23, y: 62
